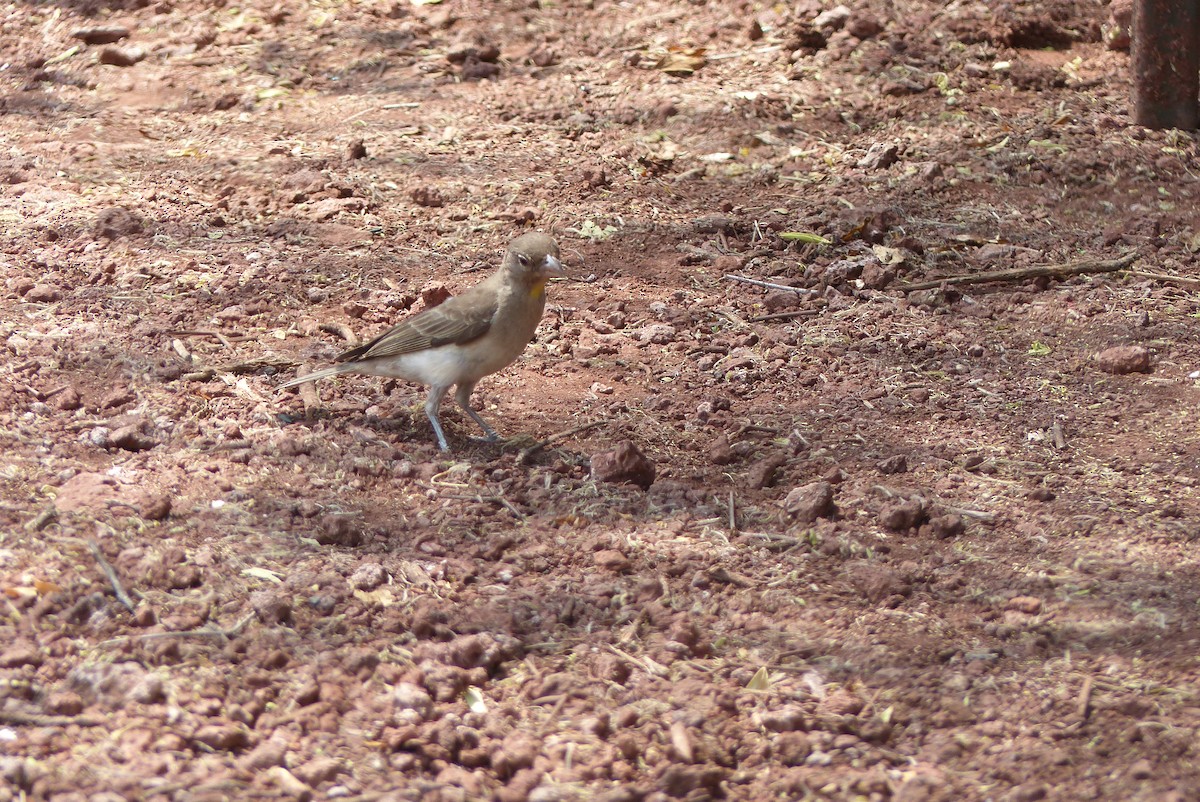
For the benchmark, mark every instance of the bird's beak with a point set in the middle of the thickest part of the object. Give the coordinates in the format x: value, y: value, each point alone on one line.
x: 552, y: 267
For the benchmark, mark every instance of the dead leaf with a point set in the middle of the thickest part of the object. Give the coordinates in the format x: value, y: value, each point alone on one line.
x: 681, y: 61
x: 45, y: 587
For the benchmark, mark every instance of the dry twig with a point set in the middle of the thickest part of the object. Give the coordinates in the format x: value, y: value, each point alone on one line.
x: 206, y: 632
x: 43, y: 720
x: 42, y: 519
x: 341, y: 330
x: 111, y: 573
x: 770, y: 285
x: 1082, y: 267
x: 526, y: 453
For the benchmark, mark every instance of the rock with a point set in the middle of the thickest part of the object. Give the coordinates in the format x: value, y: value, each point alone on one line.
x: 1118, y: 28
x: 1029, y: 605
x: 271, y: 607
x: 656, y: 334
x: 1124, y: 359
x: 409, y: 696
x: 833, y: 19
x: 789, y: 718
x: 765, y: 472
x: 625, y: 463
x: 118, y: 397
x: 946, y: 526
x: 433, y: 294
x: 148, y: 690
x: 863, y: 26
x: 876, y: 276
x: 43, y: 294
x: 156, y: 509
x: 897, y: 463
x: 101, y: 35
x: 810, y: 502
x: 792, y: 748
x: 21, y: 653
x: 121, y: 56
x: 902, y: 515
x: 67, y: 400
x: 130, y: 438
x: 86, y: 491
x: 681, y: 781
x: 270, y: 752
x: 712, y: 224
x: 720, y: 452
x: 318, y: 770
x: 611, y: 559
x: 475, y: 70
x: 877, y: 582
x: 880, y: 155
x: 327, y: 208
x: 116, y: 222
x: 368, y: 577
x: 223, y: 737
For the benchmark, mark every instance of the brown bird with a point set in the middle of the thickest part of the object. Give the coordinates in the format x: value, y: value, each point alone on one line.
x: 464, y: 338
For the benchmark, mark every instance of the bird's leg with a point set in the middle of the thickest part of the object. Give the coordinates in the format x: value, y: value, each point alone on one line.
x: 436, y: 394
x: 463, y: 396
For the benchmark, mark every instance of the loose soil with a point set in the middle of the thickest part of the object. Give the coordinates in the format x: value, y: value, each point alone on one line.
x: 926, y: 545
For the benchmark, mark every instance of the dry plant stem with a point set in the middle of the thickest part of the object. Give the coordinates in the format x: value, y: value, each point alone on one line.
x: 341, y: 330
x: 41, y: 720
x: 1164, y: 277
x: 1082, y: 267
x: 111, y: 573
x: 209, y: 632
x: 1084, y: 707
x: 216, y: 335
x: 41, y: 520
x: 786, y: 315
x: 527, y: 453
x: 770, y: 285
x: 503, y: 502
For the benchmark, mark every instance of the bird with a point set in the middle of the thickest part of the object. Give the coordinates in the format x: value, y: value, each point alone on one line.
x: 466, y: 337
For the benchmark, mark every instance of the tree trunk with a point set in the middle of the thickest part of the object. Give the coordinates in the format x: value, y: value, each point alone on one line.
x: 1166, y: 63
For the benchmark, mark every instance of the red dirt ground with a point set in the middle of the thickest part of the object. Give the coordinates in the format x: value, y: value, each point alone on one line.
x: 901, y: 544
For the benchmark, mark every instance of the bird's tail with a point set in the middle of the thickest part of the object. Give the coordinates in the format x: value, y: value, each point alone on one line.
x: 312, y: 377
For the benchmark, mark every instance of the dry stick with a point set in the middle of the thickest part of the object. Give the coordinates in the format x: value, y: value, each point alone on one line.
x: 1079, y: 268
x: 111, y: 573
x: 1060, y: 440
x: 733, y: 527
x: 341, y: 330
x: 501, y: 500
x: 216, y: 335
x: 42, y: 720
x: 207, y: 632
x: 786, y: 315
x: 1163, y: 277
x: 526, y: 453
x: 1084, y: 707
x: 771, y: 286
x: 42, y: 520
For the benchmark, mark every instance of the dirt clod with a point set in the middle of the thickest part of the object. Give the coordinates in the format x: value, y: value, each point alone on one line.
x: 1123, y: 359
x: 623, y: 464
x: 810, y: 502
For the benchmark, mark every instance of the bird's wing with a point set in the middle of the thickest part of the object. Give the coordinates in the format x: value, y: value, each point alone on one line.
x: 458, y: 320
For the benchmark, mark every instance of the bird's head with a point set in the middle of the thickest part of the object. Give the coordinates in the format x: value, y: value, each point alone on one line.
x: 533, y: 258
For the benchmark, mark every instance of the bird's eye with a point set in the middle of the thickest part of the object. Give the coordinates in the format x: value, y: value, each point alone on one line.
x: 523, y: 259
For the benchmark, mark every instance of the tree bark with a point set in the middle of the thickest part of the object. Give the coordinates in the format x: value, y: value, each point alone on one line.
x: 1166, y: 63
